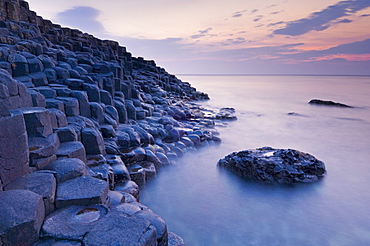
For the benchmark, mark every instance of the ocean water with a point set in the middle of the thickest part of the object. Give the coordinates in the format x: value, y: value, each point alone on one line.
x: 209, y: 206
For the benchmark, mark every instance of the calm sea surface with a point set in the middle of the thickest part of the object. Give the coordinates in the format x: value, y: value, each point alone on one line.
x: 209, y: 206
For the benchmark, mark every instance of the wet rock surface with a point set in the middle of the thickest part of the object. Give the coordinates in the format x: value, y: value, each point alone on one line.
x: 328, y: 103
x: 269, y: 165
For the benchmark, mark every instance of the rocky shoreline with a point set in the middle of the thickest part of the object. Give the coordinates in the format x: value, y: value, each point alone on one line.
x: 82, y: 125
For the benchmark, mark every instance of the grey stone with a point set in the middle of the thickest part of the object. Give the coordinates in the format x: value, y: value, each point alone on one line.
x: 62, y: 73
x: 103, y: 172
x: 4, y: 92
x: 175, y: 240
x: 25, y: 99
x: 43, y: 162
x: 172, y: 136
x: 74, y: 84
x: 131, y: 110
x: 116, y: 197
x: 106, y: 97
x: 22, y: 213
x: 269, y: 165
x: 108, y: 131
x: 93, y: 141
x: 83, y: 102
x: 97, y: 112
x: 110, y: 121
x: 81, y: 70
x: 67, y: 134
x: 92, y: 92
x: 59, y: 117
x: 35, y: 65
x: 38, y: 100
x: 74, y: 74
x: 129, y: 187
x: 38, y: 121
x: 9, y: 82
x: 134, y: 138
x: 67, y: 168
x: 128, y: 197
x: 163, y: 158
x: 122, y: 112
x: 47, y: 91
x: 117, y: 228
x: 137, y: 174
x: 6, y: 66
x: 46, y: 61
x: 71, y: 106
x: 111, y: 146
x: 84, y: 190
x: 195, y: 139
x: 13, y: 148
x: 51, y: 75
x: 145, y: 137
x: 328, y: 103
x: 112, y: 112
x: 72, y: 222
x: 158, y: 223
x: 62, y: 90
x: 19, y: 64
x: 40, y: 147
x: 121, y: 174
x: 73, y: 149
x: 87, y: 67
x: 54, y: 103
x: 41, y: 183
x: 39, y: 79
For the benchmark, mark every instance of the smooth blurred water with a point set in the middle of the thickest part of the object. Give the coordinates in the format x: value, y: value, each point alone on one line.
x: 209, y: 206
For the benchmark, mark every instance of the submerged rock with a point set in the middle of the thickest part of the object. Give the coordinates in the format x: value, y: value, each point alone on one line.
x: 328, y: 103
x: 269, y: 165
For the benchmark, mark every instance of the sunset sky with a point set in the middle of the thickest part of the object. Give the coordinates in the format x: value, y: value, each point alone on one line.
x: 229, y: 37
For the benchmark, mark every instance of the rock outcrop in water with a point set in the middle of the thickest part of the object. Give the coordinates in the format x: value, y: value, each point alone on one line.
x: 328, y: 103
x: 269, y: 165
x: 82, y: 124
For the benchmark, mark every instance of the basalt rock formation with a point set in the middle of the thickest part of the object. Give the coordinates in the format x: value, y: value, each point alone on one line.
x: 328, y: 103
x: 279, y: 166
x: 83, y: 123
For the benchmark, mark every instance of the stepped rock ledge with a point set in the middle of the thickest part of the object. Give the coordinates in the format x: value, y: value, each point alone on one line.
x: 83, y: 124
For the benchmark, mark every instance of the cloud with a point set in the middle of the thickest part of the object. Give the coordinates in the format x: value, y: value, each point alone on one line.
x: 344, y: 21
x: 201, y: 33
x: 238, y: 14
x: 233, y: 41
x: 83, y: 18
x: 360, y: 47
x: 258, y: 18
x: 276, y: 23
x: 322, y: 20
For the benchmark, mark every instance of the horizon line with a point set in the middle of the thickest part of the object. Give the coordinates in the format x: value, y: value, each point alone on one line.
x: 241, y: 74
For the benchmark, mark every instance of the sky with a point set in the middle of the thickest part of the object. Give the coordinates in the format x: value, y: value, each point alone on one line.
x: 228, y: 37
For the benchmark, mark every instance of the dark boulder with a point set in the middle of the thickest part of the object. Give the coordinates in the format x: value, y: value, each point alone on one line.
x: 268, y: 165
x: 328, y: 103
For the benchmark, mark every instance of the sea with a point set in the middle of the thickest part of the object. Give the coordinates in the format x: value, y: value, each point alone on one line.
x: 207, y: 205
